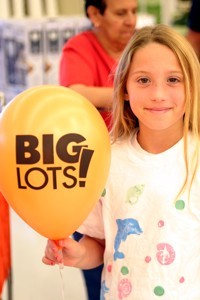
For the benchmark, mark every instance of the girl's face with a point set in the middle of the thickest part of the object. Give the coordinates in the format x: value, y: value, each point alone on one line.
x: 155, y: 89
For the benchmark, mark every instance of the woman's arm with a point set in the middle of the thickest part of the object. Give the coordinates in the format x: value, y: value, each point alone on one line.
x: 86, y: 68
x: 101, y: 97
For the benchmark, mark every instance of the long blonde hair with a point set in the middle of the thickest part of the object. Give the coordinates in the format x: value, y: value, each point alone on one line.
x: 124, y: 121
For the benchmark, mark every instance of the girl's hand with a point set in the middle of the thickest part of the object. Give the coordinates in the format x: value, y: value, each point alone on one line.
x: 67, y: 251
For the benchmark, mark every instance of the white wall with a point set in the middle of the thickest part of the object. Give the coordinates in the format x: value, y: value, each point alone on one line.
x: 68, y: 7
x: 32, y: 280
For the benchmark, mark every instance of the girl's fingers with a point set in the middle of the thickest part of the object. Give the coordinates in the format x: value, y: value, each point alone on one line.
x: 47, y: 261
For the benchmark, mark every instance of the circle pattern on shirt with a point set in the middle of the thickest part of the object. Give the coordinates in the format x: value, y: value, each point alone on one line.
x: 159, y: 291
x: 180, y: 204
x: 124, y: 270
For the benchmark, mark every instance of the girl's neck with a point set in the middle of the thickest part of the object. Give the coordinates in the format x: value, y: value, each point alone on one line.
x: 158, y: 141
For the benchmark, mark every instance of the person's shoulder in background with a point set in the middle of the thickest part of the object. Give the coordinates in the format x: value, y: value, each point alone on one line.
x: 193, y: 32
x: 81, y: 40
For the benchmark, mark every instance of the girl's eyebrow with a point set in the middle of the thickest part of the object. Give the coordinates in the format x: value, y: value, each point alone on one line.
x: 139, y: 71
x: 149, y: 72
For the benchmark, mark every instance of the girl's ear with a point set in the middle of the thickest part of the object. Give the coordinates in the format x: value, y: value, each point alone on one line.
x: 94, y: 15
x: 126, y: 96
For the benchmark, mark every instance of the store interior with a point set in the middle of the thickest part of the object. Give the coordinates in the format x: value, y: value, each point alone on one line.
x: 30, y: 278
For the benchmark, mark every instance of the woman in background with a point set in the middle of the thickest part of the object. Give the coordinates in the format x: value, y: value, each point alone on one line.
x: 89, y: 58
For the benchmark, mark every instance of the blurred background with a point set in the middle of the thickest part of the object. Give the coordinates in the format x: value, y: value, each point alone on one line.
x: 32, y: 34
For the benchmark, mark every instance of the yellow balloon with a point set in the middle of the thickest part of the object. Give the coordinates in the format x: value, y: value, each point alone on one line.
x: 54, y: 157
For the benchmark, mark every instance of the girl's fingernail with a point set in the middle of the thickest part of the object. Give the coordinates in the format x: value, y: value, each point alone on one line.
x: 61, y: 244
x: 58, y: 258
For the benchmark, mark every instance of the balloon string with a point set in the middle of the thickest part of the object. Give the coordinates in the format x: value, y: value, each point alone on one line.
x: 61, y: 267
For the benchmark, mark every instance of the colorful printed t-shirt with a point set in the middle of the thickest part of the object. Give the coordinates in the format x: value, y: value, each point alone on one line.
x: 152, y: 239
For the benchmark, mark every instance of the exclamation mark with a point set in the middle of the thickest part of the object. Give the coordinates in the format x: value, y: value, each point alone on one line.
x: 84, y: 164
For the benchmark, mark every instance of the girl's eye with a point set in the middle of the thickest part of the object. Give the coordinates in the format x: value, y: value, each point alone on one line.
x: 173, y: 80
x: 143, y: 80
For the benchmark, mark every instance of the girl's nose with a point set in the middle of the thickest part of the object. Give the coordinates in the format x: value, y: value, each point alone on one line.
x: 158, y: 93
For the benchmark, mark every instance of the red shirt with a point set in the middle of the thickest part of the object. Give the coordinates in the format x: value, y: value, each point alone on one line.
x: 85, y: 61
x: 4, y: 242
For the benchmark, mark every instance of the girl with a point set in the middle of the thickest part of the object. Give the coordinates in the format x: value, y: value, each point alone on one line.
x: 146, y: 227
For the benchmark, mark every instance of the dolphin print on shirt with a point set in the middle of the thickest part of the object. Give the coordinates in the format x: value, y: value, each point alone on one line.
x: 104, y: 290
x: 125, y: 228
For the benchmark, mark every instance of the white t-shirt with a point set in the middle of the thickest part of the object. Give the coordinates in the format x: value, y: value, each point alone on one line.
x: 152, y: 240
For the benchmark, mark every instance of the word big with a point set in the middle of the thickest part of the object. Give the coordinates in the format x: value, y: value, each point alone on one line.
x: 71, y: 150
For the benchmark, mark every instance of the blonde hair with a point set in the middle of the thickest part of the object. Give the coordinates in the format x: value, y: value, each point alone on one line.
x: 124, y: 121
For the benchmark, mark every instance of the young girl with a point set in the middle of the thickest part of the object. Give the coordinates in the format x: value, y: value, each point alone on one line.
x: 146, y: 227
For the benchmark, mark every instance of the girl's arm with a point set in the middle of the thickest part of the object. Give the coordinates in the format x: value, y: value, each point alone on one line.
x: 85, y: 254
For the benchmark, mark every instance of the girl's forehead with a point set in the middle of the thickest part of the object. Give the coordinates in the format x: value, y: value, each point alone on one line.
x: 152, y: 47
x: 154, y: 52
x: 154, y: 59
